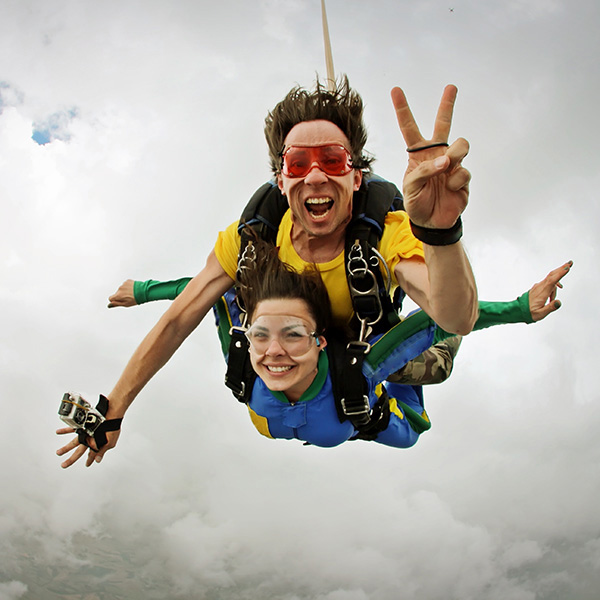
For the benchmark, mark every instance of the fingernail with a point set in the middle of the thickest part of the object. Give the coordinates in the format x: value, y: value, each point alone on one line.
x: 440, y: 162
x: 557, y: 304
x: 98, y: 458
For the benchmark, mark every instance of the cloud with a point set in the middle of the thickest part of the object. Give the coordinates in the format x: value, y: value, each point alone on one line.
x: 12, y: 590
x: 9, y: 96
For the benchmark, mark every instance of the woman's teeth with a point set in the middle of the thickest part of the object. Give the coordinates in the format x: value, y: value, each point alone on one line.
x: 275, y: 369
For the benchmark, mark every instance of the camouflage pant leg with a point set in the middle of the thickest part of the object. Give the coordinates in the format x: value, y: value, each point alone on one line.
x: 433, y: 366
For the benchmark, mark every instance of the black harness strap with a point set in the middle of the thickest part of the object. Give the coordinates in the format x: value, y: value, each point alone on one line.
x: 372, y: 305
x: 349, y: 385
x: 240, y: 375
x: 350, y: 389
x: 369, y: 292
x: 263, y: 213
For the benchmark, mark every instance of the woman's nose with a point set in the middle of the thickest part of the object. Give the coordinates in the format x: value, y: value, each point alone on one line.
x: 275, y: 348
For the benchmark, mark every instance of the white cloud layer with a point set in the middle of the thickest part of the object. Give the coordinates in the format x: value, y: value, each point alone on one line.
x: 162, y: 145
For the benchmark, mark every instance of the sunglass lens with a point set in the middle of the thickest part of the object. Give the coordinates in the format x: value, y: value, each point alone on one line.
x: 333, y: 160
x: 297, y: 161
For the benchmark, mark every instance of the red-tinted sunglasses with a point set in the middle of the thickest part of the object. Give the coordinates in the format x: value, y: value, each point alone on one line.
x: 332, y: 159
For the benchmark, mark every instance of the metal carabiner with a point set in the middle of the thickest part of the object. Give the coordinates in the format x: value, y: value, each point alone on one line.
x: 247, y: 259
x: 356, y: 258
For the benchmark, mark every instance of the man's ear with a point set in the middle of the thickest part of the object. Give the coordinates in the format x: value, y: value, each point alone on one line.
x: 358, y: 175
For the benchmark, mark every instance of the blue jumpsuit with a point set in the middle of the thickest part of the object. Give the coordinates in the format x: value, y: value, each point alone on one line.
x: 314, y: 418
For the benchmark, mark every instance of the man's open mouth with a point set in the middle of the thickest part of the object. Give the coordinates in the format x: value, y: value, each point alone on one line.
x: 319, y: 207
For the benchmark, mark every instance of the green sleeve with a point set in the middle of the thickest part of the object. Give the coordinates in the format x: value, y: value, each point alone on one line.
x: 497, y: 313
x: 490, y: 313
x: 151, y: 290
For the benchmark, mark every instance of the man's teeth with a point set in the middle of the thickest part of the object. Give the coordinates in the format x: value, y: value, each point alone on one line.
x: 319, y: 207
x: 275, y: 369
x: 318, y: 200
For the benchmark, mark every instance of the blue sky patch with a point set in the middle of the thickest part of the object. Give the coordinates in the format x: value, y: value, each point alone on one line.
x: 54, y: 127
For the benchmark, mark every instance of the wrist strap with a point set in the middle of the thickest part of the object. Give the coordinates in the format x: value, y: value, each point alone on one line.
x: 100, y: 434
x: 438, y: 237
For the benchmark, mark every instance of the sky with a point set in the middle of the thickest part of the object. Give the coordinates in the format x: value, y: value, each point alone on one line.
x: 130, y: 134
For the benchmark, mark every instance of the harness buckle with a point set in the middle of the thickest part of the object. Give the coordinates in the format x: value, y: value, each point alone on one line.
x: 359, y: 346
x: 362, y: 408
x: 238, y: 389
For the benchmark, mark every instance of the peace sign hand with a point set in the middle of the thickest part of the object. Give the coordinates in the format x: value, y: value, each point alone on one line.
x: 436, y: 185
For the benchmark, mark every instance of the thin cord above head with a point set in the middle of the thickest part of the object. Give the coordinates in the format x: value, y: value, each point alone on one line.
x: 328, y: 54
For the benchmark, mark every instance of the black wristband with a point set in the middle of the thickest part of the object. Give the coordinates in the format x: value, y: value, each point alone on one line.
x: 438, y: 237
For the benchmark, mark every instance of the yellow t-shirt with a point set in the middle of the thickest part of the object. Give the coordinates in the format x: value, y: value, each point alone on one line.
x: 397, y: 243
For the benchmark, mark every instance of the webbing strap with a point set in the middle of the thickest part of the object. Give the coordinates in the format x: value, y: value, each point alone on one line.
x: 263, y: 213
x: 240, y: 375
x: 99, y: 435
x: 369, y: 293
x: 354, y: 398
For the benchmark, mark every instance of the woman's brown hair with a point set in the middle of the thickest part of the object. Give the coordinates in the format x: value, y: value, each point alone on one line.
x: 266, y: 277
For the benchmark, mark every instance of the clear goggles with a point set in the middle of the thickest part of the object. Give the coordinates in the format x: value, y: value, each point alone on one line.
x: 291, y: 333
x: 332, y: 159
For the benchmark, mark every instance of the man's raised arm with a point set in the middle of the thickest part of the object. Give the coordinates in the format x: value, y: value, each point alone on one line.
x: 182, y: 317
x: 436, y: 192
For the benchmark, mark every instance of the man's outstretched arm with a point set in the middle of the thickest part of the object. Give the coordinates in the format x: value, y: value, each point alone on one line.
x: 182, y: 317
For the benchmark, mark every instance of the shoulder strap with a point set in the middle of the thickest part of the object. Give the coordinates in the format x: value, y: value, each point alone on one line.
x: 263, y: 213
x: 240, y: 375
x: 370, y: 293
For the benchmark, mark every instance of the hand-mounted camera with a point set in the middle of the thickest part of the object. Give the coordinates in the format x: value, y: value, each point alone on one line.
x: 79, y: 414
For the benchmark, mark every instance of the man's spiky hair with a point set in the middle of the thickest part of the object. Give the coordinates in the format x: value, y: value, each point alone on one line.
x: 342, y: 106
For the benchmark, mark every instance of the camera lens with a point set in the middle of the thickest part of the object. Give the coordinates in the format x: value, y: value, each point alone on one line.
x: 79, y: 416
